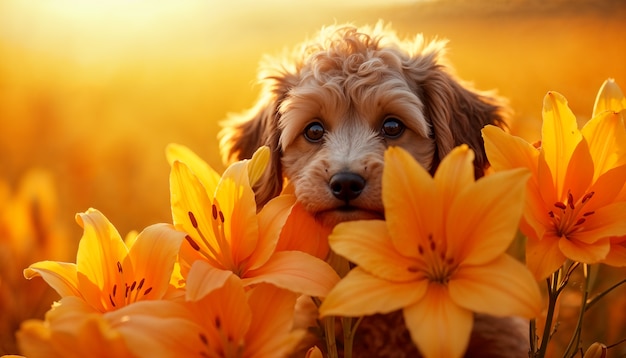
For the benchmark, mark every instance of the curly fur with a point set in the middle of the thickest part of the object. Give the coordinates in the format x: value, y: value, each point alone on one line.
x: 350, y: 80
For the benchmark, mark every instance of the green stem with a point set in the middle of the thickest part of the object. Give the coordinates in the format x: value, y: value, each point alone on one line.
x: 346, y: 324
x: 331, y: 344
x: 594, y: 300
x: 576, y: 336
x: 616, y: 343
x: 349, y: 331
x: 553, y: 294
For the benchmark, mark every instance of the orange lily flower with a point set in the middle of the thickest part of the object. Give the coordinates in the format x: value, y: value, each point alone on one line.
x: 573, y: 202
x: 440, y: 253
x: 108, y: 275
x: 231, y: 321
x: 611, y: 98
x: 106, y: 283
x: 226, y: 232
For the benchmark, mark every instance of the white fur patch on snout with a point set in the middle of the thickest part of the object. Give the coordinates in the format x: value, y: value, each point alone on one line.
x: 352, y: 148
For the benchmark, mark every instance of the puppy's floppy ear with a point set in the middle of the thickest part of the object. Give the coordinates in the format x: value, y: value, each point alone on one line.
x: 456, y: 111
x: 243, y: 134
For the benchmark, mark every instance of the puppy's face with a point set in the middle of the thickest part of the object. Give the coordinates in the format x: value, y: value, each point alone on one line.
x: 329, y: 111
x: 335, y: 125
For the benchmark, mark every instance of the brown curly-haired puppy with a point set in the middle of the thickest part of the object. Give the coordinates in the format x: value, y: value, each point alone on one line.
x: 329, y: 111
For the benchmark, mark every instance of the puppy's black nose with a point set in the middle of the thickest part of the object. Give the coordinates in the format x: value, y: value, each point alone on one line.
x: 346, y: 186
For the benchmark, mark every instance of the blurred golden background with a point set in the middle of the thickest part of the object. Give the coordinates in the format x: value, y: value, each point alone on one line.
x: 91, y: 92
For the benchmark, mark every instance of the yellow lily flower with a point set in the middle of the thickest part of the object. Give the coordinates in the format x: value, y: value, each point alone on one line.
x: 71, y: 329
x: 575, y: 199
x: 226, y: 232
x: 440, y: 254
x: 253, y: 323
x: 105, y: 286
x: 231, y: 321
x: 108, y: 275
x: 143, y: 329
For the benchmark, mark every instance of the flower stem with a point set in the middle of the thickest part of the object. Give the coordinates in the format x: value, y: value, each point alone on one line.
x: 553, y: 295
x: 331, y: 344
x: 577, y: 332
x: 532, y: 336
x: 595, y: 299
x: 349, y: 331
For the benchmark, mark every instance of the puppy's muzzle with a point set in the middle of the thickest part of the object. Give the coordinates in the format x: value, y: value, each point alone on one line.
x: 346, y: 186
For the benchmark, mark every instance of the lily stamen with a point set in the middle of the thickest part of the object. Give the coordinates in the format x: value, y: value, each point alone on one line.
x: 212, y: 255
x: 569, y: 219
x: 437, y: 266
x: 220, y: 236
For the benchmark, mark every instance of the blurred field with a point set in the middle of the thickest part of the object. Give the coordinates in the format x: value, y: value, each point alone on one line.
x: 93, y: 91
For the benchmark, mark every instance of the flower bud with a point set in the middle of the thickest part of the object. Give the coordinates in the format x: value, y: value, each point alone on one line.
x: 596, y: 350
x: 314, y: 352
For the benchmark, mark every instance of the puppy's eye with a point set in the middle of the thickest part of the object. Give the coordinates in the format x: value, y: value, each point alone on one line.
x: 314, y: 132
x: 392, y: 128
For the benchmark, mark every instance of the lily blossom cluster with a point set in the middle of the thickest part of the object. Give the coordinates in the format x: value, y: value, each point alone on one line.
x: 433, y: 257
x: 576, y: 198
x: 226, y: 277
x: 213, y: 284
x: 575, y: 206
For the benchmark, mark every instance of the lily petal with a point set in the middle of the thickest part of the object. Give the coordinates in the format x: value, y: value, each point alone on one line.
x: 302, y: 233
x: 153, y: 256
x: 485, y: 217
x: 580, y: 173
x: 236, y: 201
x: 297, y: 272
x: 157, y: 329
x: 505, y: 151
x: 503, y: 287
x: 543, y: 256
x: 535, y: 219
x: 258, y: 163
x: 270, y: 332
x: 589, y: 253
x: 360, y: 293
x: 33, y: 339
x: 606, y: 136
x: 187, y: 195
x: 204, y: 279
x: 455, y: 174
x: 560, y: 136
x: 617, y: 255
x: 608, y: 189
x: 271, y: 220
x: 61, y: 276
x: 224, y: 313
x: 207, y: 176
x: 606, y: 222
x: 403, y: 174
x: 438, y: 326
x: 610, y: 97
x: 368, y: 244
x: 101, y: 253
x: 78, y: 330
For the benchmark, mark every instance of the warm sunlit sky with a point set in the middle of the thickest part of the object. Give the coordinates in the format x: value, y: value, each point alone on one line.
x: 94, y: 91
x: 91, y: 92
